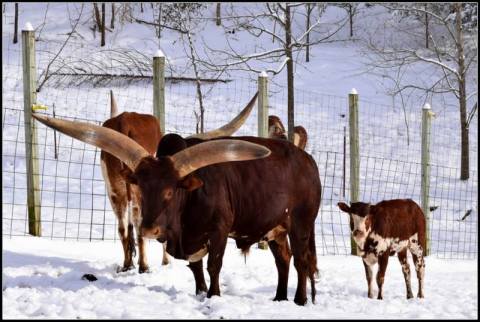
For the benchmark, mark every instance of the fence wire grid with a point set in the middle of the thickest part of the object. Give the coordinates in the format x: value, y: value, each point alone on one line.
x: 73, y: 198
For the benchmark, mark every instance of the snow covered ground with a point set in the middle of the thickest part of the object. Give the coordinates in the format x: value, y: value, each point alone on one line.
x: 42, y: 279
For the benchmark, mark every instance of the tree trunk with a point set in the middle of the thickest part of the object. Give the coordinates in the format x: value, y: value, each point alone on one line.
x: 112, y: 21
x: 307, y: 58
x: 159, y: 20
x: 15, y: 32
x: 97, y: 16
x: 290, y: 80
x: 103, y: 25
x: 426, y: 27
x: 350, y: 13
x: 219, y: 19
x: 464, y: 167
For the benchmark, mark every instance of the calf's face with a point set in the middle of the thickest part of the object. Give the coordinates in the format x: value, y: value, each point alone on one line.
x: 360, y: 220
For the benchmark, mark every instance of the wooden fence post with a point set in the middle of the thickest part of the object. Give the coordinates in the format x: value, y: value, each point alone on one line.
x: 426, y: 125
x: 263, y: 119
x: 354, y: 155
x: 31, y: 146
x: 159, y: 88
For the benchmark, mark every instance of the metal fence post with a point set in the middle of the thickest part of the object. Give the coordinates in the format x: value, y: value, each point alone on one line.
x: 31, y: 139
x: 263, y: 119
x: 354, y: 155
x: 159, y: 88
x: 426, y: 125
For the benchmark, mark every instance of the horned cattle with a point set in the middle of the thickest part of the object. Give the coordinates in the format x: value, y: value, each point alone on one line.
x: 194, y: 198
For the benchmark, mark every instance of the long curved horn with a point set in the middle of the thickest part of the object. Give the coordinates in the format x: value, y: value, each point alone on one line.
x: 231, y: 127
x: 113, y: 105
x: 111, y: 141
x: 217, y: 151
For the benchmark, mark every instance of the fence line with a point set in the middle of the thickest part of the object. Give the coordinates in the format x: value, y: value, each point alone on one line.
x: 74, y: 204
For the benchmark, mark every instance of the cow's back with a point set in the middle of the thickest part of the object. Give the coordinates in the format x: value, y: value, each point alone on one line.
x: 142, y: 128
x: 264, y: 192
x: 398, y: 218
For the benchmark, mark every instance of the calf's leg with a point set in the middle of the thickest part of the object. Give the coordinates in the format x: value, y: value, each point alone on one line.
x: 382, y: 268
x: 402, y: 257
x: 419, y: 262
x: 369, y: 275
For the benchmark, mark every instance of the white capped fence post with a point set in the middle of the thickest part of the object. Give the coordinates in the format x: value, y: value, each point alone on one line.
x: 159, y: 88
x: 354, y: 154
x: 426, y: 125
x: 263, y: 118
x: 31, y: 145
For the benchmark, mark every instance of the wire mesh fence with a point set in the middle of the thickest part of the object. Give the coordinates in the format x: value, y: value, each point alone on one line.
x: 74, y: 203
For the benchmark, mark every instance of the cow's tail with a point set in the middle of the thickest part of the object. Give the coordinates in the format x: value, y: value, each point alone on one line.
x: 312, y: 262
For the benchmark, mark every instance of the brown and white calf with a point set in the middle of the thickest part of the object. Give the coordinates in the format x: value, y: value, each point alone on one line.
x: 276, y: 130
x: 389, y: 227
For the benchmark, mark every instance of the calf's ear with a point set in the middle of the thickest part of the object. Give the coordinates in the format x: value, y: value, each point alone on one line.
x: 343, y: 207
x: 191, y: 183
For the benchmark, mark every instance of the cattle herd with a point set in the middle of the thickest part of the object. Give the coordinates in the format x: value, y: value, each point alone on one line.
x: 192, y: 193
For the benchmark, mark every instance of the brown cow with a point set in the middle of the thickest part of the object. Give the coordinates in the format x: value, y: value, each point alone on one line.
x: 145, y: 130
x: 195, y: 199
x: 276, y: 130
x: 389, y: 227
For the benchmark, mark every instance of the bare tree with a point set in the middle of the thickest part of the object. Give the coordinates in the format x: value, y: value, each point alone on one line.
x: 218, y: 19
x: 112, y: 21
x: 46, y: 74
x: 102, y: 42
x: 97, y: 16
x: 15, y: 31
x: 259, y: 23
x: 453, y: 58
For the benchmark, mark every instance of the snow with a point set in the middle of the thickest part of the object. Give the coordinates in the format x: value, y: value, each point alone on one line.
x: 159, y: 53
x: 43, y: 279
x: 28, y: 27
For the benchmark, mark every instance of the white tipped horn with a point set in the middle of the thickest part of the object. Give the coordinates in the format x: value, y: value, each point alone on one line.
x: 231, y: 127
x: 216, y: 151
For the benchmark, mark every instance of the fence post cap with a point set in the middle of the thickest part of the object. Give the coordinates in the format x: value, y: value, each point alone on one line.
x: 159, y: 53
x: 263, y: 74
x: 427, y: 106
x: 28, y: 27
x: 354, y: 91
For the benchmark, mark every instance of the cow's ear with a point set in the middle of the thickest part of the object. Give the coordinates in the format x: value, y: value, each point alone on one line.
x: 191, y: 183
x: 343, y: 207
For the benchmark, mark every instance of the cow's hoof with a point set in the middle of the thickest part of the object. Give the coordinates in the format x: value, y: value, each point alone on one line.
x: 142, y: 270
x: 121, y: 269
x: 280, y: 298
x: 300, y: 301
x: 409, y: 296
x: 380, y: 297
x: 420, y: 296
